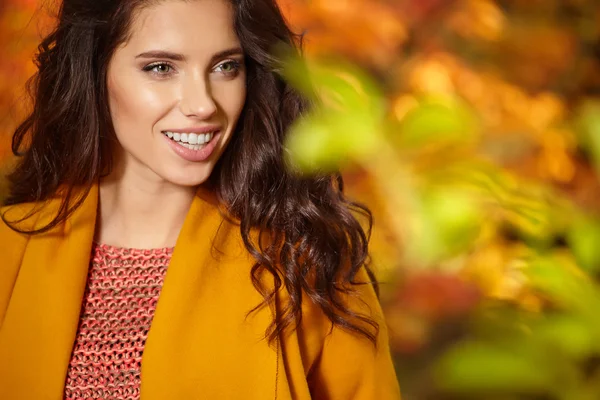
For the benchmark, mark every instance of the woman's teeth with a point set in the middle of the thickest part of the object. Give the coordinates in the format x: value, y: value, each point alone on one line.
x: 192, y: 141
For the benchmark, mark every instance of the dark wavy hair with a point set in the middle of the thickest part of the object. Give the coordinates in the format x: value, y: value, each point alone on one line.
x: 316, y: 243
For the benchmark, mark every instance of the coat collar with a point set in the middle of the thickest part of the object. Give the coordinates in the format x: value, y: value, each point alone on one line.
x: 200, y: 336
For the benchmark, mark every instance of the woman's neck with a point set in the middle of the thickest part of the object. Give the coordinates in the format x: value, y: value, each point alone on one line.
x: 140, y: 213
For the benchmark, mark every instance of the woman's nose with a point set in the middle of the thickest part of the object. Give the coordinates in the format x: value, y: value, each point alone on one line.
x: 197, y: 100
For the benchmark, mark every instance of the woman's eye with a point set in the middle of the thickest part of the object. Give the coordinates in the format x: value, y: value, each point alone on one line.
x: 158, y: 69
x: 228, y: 67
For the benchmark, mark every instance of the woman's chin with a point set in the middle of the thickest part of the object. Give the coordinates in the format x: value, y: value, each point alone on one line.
x: 187, y: 180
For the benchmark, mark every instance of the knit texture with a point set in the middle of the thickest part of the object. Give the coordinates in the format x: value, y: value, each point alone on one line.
x: 119, y: 302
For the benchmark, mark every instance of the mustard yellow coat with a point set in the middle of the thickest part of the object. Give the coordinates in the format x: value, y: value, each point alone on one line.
x: 200, y: 345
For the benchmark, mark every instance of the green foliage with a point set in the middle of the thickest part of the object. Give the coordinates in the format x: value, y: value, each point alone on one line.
x: 543, y: 354
x: 584, y: 240
x: 492, y: 367
x: 546, y: 354
x: 449, y: 220
x: 345, y: 122
x: 588, y: 124
x: 437, y: 119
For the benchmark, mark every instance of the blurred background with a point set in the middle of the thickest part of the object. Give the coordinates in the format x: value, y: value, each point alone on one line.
x: 471, y: 128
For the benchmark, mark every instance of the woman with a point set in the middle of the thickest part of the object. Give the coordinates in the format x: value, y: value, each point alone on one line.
x: 153, y: 243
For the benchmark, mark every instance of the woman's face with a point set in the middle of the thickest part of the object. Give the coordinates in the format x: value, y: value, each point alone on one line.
x: 176, y: 90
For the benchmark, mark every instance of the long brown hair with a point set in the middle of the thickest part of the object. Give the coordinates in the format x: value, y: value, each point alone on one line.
x: 317, y: 245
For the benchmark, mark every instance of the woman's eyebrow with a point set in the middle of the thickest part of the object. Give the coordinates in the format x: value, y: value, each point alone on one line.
x: 161, y: 54
x: 180, y: 57
x: 235, y: 51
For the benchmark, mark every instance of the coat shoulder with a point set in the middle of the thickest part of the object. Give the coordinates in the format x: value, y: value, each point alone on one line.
x: 20, y: 216
x: 346, y: 364
x: 12, y: 249
x: 15, y: 216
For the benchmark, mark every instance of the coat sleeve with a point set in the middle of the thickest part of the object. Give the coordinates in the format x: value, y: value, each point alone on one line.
x: 12, y: 248
x: 349, y: 366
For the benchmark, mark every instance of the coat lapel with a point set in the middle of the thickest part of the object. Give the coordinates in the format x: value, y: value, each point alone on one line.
x: 201, y: 343
x: 40, y: 324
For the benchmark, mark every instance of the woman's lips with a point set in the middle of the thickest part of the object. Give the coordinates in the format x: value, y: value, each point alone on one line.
x: 202, y: 154
x: 196, y: 129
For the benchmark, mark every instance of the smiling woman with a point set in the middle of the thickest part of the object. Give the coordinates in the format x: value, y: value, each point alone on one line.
x: 169, y: 78
x: 153, y: 243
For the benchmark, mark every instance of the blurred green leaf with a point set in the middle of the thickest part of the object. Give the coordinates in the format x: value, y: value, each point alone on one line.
x: 334, y: 83
x: 481, y: 367
x: 569, y: 334
x: 437, y: 119
x: 553, y: 279
x: 346, y: 121
x: 449, y: 221
x: 324, y: 142
x: 588, y: 124
x: 567, y: 286
x: 584, y: 239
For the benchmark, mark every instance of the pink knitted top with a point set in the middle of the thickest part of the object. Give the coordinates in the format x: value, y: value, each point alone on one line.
x: 119, y: 302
